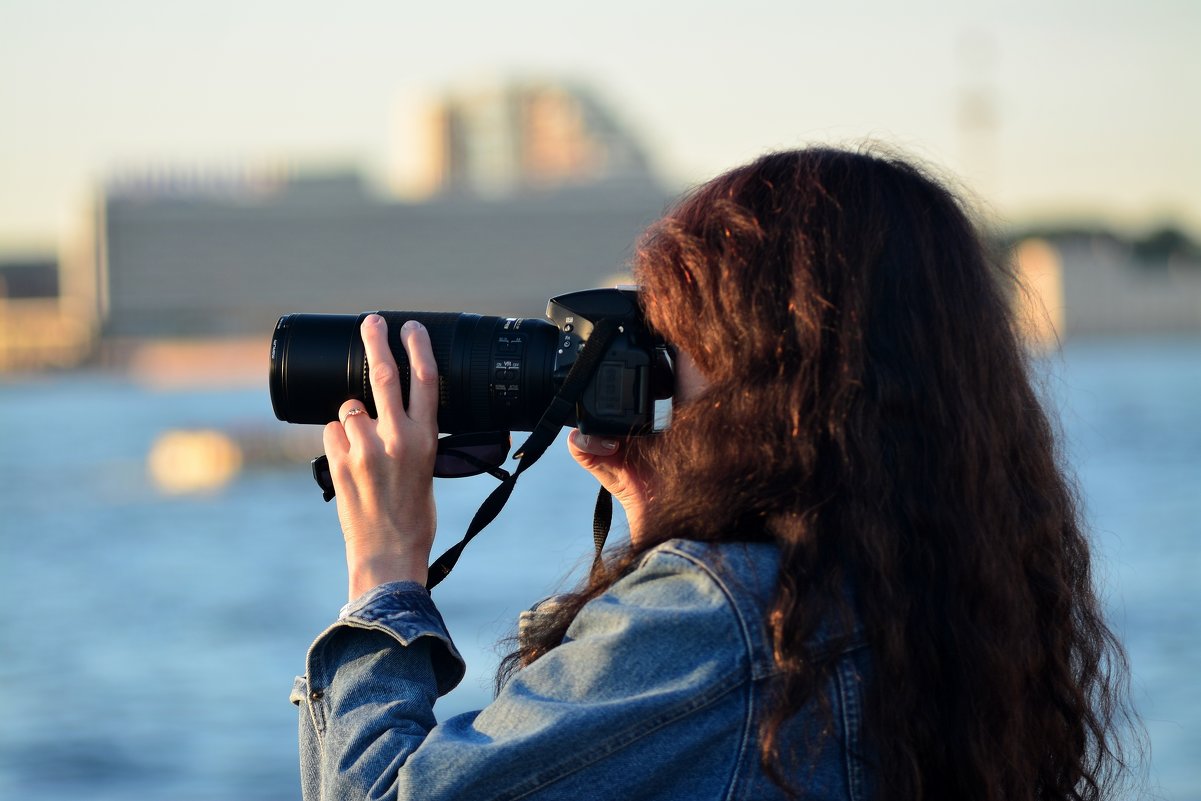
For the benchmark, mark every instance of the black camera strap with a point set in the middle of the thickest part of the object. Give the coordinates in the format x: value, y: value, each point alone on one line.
x: 548, y: 428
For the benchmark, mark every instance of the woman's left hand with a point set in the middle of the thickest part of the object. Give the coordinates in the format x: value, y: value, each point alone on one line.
x: 606, y: 459
x: 383, y: 469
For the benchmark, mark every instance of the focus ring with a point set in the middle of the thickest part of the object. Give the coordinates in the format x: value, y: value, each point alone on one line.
x: 480, y: 401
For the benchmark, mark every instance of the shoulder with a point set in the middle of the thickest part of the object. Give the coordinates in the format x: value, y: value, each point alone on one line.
x: 738, y: 576
x: 746, y: 572
x: 741, y: 577
x: 697, y: 597
x: 693, y: 600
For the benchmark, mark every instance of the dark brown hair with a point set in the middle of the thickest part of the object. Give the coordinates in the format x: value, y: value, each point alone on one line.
x: 870, y: 410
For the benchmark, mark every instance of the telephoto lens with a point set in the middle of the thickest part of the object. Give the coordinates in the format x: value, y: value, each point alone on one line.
x: 494, y: 373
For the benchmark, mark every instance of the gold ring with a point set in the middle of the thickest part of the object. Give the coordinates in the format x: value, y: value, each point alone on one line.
x: 351, y: 413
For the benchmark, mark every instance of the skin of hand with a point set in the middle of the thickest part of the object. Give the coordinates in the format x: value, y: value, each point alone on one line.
x: 383, y: 468
x: 605, y: 459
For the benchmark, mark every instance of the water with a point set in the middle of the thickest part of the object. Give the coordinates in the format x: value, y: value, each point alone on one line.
x: 148, y: 642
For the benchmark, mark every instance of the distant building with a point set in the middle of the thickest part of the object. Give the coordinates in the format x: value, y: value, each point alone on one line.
x: 1108, y: 292
x: 530, y: 190
x: 1089, y: 285
x: 230, y: 265
x: 40, y: 324
x: 539, y: 191
x: 27, y: 277
x: 502, y: 140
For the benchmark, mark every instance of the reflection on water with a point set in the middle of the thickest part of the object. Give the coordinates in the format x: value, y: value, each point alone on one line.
x: 149, y: 639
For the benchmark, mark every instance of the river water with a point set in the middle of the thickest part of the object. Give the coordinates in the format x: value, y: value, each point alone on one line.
x: 148, y: 640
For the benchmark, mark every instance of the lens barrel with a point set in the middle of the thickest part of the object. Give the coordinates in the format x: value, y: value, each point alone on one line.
x: 494, y: 373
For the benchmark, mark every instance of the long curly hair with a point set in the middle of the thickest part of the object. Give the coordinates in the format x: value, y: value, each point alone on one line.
x: 870, y: 410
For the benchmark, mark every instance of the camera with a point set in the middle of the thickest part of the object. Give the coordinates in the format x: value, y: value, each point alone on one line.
x: 494, y: 373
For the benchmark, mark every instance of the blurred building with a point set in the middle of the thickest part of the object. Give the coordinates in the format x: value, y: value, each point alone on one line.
x: 28, y: 277
x: 527, y: 190
x: 1089, y: 284
x: 531, y: 190
x: 495, y: 141
x: 229, y: 266
x: 1109, y: 293
x: 42, y: 323
x: 538, y: 191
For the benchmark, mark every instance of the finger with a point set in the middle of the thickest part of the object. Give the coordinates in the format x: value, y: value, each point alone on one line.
x: 351, y: 408
x: 333, y: 439
x: 603, y: 461
x: 423, y: 382
x: 337, y: 450
x: 605, y: 465
x: 595, y: 446
x: 354, y: 422
x: 383, y: 372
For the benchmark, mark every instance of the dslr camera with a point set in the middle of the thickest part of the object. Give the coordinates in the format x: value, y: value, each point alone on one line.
x: 494, y: 373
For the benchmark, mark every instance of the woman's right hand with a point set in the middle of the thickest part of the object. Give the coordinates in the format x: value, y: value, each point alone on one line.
x: 607, y: 460
x: 383, y: 468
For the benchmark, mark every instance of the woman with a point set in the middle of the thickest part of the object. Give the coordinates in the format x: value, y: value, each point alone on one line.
x: 855, y: 567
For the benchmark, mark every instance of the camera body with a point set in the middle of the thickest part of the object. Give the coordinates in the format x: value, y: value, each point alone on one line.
x: 494, y: 373
x: 633, y: 373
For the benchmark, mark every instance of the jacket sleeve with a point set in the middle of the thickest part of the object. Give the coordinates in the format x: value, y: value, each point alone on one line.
x: 646, y: 679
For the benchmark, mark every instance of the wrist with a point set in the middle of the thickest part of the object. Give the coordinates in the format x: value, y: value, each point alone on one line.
x: 365, y: 572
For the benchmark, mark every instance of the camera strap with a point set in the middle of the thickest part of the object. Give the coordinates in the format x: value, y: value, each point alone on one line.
x: 544, y: 433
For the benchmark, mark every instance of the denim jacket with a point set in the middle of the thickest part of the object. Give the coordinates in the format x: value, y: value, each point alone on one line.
x: 656, y: 692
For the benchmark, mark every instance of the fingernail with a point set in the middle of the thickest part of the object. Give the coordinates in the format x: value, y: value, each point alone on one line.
x: 582, y: 440
x: 372, y: 319
x: 412, y: 325
x: 609, y: 444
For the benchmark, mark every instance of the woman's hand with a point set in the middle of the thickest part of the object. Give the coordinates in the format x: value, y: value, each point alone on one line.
x: 383, y: 469
x: 607, y: 460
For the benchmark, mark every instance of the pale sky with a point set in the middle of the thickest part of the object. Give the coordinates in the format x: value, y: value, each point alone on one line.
x: 1097, y: 102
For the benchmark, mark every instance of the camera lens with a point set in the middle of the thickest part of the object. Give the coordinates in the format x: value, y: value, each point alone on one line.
x: 494, y: 373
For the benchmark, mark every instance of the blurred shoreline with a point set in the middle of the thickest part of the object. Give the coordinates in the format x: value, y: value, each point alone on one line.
x: 233, y: 363
x: 178, y: 363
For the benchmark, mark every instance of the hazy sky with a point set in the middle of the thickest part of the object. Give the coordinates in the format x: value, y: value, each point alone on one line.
x: 1097, y: 103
